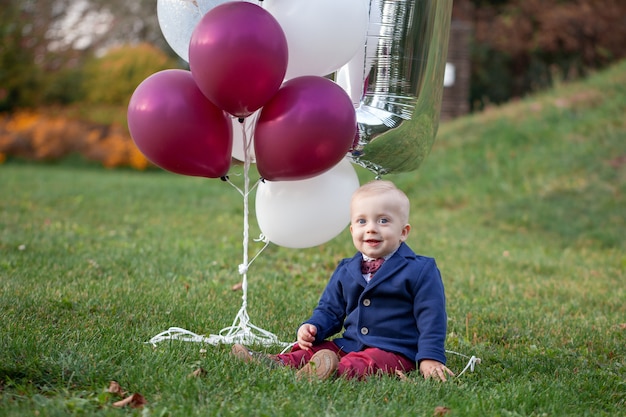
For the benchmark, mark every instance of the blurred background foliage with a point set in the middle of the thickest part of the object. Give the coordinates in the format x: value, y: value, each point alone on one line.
x: 523, y: 46
x: 68, y: 51
x: 63, y: 51
x: 112, y: 78
x: 82, y: 59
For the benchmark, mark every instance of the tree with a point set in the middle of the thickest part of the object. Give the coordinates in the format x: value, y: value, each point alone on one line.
x: 520, y: 46
x: 44, y: 42
x: 19, y: 75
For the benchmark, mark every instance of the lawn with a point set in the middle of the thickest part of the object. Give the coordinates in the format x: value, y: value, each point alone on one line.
x: 523, y: 206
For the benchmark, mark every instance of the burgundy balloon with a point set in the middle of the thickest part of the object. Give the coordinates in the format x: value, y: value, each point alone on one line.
x: 177, y: 128
x: 305, y: 130
x: 238, y: 56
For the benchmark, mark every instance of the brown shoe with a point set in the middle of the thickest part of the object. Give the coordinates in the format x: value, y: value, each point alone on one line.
x: 322, y: 366
x: 246, y: 355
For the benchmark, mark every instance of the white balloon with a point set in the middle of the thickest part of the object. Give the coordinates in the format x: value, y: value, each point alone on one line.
x: 306, y: 213
x: 178, y: 18
x: 241, y: 132
x: 322, y: 35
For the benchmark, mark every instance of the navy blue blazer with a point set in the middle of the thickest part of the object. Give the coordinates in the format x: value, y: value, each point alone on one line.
x: 401, y: 310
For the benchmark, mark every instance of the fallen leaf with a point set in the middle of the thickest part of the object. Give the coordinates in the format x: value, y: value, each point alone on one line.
x: 441, y: 411
x: 134, y: 401
x: 197, y: 373
x: 116, y: 388
x: 237, y: 287
x: 401, y: 375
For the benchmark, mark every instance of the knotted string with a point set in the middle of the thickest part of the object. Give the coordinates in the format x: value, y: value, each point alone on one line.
x: 471, y: 364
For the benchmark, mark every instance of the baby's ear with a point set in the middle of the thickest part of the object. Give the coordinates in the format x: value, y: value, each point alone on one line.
x: 405, y: 232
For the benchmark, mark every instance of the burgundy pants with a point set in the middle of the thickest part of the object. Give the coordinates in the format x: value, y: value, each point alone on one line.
x: 361, y: 364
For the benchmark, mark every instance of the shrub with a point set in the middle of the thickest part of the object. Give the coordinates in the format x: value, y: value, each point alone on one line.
x: 63, y: 87
x: 39, y: 136
x: 522, y: 46
x: 112, y: 78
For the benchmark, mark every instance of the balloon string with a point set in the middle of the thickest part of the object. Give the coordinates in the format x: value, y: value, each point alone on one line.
x: 246, y: 223
x: 234, y: 186
x: 242, y: 192
x: 241, y: 330
x: 471, y: 364
x: 245, y: 193
x: 241, y: 325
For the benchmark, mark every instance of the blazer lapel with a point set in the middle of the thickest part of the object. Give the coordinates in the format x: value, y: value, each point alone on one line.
x: 354, y: 269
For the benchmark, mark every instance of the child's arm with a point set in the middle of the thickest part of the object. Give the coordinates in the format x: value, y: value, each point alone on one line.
x: 431, y: 318
x: 430, y: 314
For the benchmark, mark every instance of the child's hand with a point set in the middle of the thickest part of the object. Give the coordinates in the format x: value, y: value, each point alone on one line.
x: 306, y: 336
x: 434, y: 369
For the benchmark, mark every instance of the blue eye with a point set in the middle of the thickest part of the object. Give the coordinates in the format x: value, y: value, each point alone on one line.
x: 383, y: 221
x: 361, y: 221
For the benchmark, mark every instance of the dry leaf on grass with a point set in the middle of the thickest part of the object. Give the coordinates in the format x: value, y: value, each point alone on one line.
x: 197, y: 373
x: 134, y: 401
x: 237, y: 287
x: 441, y: 411
x: 116, y: 388
x: 401, y: 375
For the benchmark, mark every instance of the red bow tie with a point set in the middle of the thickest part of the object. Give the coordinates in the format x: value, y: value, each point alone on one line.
x: 369, y: 267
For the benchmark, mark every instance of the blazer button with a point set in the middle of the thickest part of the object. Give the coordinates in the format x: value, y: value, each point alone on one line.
x: 364, y: 330
x: 367, y: 302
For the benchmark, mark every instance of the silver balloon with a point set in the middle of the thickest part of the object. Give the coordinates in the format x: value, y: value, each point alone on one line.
x: 403, y: 66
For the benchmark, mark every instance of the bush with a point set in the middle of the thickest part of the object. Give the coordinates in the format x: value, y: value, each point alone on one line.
x: 40, y: 136
x: 113, y: 78
x: 92, y: 121
x: 63, y: 87
x: 522, y: 46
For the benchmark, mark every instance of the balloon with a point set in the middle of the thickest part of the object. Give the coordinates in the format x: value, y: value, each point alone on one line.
x: 306, y: 129
x: 178, y: 18
x: 401, y: 77
x: 177, y: 128
x: 306, y: 213
x: 352, y: 75
x: 245, y: 131
x: 238, y: 56
x: 322, y: 35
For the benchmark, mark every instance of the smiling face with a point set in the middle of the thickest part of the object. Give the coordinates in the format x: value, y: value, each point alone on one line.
x: 379, y: 219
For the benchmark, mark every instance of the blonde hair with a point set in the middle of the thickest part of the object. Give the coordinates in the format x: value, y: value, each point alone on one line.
x: 380, y: 187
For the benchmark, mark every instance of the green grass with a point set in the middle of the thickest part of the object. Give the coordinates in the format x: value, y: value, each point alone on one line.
x: 524, y: 208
